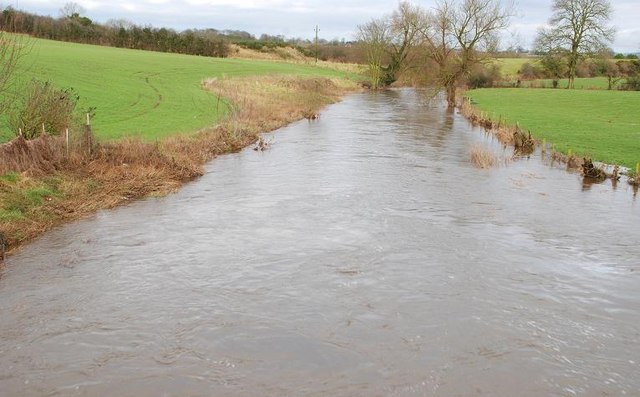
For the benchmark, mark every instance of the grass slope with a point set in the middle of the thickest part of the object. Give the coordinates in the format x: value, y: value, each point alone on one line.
x: 604, y: 125
x: 143, y: 93
x: 510, y: 67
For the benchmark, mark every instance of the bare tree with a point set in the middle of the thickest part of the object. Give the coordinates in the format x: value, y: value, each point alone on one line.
x: 71, y: 10
x: 406, y: 23
x: 389, y: 42
x: 374, y: 37
x: 459, y: 36
x: 577, y: 27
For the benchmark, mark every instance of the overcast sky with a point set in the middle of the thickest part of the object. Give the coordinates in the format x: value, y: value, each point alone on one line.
x: 298, y: 18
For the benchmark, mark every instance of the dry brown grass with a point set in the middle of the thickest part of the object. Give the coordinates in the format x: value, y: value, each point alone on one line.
x: 292, y: 55
x: 41, y: 185
x: 481, y: 157
x: 42, y: 155
x: 280, y: 54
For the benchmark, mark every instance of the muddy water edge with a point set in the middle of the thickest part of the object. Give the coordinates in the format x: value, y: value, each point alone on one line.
x: 361, y: 255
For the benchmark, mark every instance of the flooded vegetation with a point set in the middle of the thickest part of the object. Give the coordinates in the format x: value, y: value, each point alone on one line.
x: 362, y: 254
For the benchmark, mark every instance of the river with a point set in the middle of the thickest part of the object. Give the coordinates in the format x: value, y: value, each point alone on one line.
x: 362, y: 254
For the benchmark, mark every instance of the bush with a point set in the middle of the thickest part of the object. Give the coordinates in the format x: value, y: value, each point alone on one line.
x: 484, y: 76
x: 587, y: 68
x: 44, y: 105
x: 631, y: 84
x: 530, y: 72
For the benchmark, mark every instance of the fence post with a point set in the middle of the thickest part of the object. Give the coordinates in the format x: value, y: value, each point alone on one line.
x: 88, y: 136
x: 66, y: 135
x: 2, y: 247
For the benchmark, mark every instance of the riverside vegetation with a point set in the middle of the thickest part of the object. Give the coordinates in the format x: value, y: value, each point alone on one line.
x: 43, y: 184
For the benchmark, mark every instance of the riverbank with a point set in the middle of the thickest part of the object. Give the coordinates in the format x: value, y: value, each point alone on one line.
x: 62, y: 187
x: 576, y: 141
x: 597, y: 124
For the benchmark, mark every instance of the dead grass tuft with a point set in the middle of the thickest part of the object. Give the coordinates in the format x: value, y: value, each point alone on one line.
x: 482, y: 157
x: 39, y: 156
x: 589, y: 170
x: 523, y: 143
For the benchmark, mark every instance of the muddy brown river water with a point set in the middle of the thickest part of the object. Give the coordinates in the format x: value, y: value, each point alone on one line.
x: 361, y: 255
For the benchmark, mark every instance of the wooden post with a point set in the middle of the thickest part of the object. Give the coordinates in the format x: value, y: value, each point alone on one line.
x: 88, y: 136
x: 2, y: 247
x: 66, y: 135
x: 43, y: 130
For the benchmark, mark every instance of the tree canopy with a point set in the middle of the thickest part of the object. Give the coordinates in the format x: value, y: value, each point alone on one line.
x: 577, y: 28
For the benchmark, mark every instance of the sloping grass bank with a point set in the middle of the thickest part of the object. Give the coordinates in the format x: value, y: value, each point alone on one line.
x: 603, y: 125
x: 63, y: 187
x: 142, y: 93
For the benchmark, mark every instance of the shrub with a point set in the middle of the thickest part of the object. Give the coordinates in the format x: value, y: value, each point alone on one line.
x: 44, y: 105
x: 484, y: 76
x: 631, y: 84
x: 530, y: 72
x: 587, y: 68
x: 482, y: 157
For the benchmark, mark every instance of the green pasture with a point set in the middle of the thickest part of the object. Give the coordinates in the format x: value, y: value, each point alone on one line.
x: 142, y: 93
x: 604, y: 125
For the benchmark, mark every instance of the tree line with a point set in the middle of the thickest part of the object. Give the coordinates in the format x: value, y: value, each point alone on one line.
x: 448, y: 43
x: 445, y: 43
x: 73, y: 27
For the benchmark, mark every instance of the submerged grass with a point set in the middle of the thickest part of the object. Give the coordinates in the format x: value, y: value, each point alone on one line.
x: 482, y: 157
x: 66, y: 187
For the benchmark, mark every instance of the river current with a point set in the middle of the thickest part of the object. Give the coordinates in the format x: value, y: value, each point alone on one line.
x: 362, y: 254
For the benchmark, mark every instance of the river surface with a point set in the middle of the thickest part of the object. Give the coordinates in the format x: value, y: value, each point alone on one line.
x: 361, y: 255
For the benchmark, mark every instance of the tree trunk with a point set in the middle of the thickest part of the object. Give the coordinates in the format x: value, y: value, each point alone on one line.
x: 573, y: 64
x: 451, y: 95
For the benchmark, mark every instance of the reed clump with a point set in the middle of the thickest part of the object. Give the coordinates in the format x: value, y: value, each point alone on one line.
x: 45, y: 181
x: 634, y: 177
x: 523, y: 142
x: 589, y: 170
x: 482, y: 157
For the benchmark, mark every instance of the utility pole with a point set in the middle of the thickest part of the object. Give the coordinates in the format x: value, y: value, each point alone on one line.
x: 317, y: 30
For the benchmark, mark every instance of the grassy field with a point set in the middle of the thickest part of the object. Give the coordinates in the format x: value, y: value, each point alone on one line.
x: 604, y: 125
x: 141, y: 93
x: 509, y: 67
